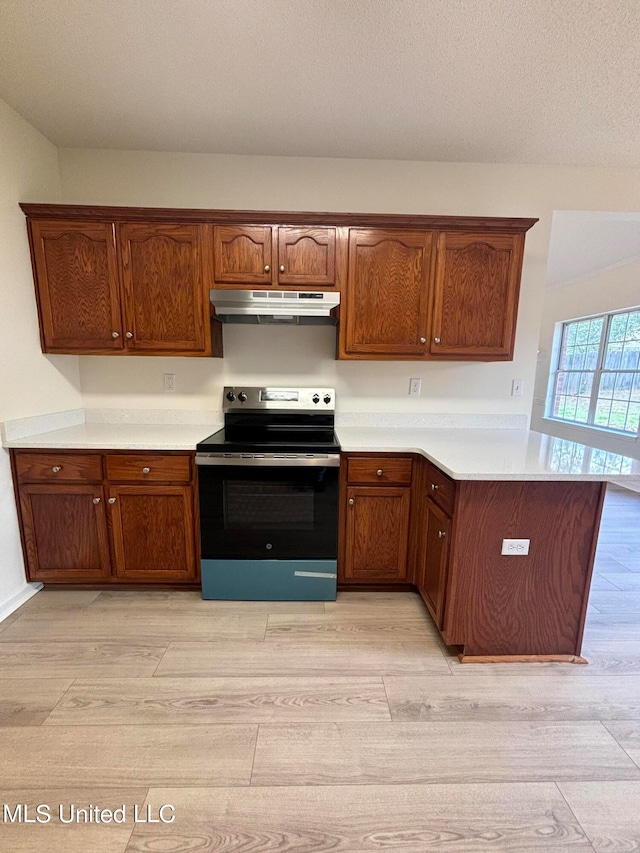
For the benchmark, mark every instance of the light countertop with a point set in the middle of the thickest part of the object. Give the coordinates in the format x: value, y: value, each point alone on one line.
x: 463, y: 454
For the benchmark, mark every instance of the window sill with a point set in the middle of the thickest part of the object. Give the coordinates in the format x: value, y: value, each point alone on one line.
x: 594, y: 430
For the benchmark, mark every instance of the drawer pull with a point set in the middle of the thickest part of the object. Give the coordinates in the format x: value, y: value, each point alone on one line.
x: 96, y: 500
x: 441, y: 534
x: 112, y: 500
x: 434, y: 487
x: 56, y: 468
x: 351, y: 501
x: 146, y: 470
x: 379, y: 472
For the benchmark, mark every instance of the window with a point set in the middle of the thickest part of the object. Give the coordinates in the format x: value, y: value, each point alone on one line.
x: 597, y: 376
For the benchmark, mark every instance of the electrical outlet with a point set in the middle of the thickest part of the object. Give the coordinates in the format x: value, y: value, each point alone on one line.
x: 515, y: 547
x: 169, y: 382
x: 516, y: 388
x: 414, y: 387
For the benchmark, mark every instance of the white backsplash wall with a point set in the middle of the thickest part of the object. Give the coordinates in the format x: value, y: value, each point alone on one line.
x: 305, y: 355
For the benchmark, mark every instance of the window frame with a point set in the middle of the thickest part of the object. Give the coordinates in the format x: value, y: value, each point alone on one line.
x: 598, y: 371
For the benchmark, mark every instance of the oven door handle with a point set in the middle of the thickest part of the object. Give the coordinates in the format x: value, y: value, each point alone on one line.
x: 302, y: 461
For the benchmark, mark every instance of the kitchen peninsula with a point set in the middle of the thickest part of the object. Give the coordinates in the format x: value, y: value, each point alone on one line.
x: 420, y: 508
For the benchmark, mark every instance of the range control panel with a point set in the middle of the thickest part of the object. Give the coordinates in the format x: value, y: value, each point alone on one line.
x: 308, y: 399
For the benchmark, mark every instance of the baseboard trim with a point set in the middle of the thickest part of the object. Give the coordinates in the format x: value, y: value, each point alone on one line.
x: 18, y: 599
x: 470, y: 659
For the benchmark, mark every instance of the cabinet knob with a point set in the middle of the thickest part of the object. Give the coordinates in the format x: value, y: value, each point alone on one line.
x: 128, y: 334
x: 379, y: 472
x: 56, y: 468
x: 146, y: 470
x: 436, y: 340
x: 281, y: 267
x: 96, y: 500
x: 351, y: 501
x: 423, y: 340
x: 434, y: 487
x: 112, y: 500
x: 115, y: 334
x: 267, y: 268
x: 441, y: 534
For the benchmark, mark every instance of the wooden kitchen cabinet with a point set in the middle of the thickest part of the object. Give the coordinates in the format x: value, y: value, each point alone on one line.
x: 64, y: 529
x: 166, y: 307
x: 122, y: 289
x: 135, y: 523
x: 386, y: 301
x: 77, y: 288
x: 295, y: 258
x: 475, y: 295
x: 377, y: 532
x: 432, y: 575
x: 153, y: 533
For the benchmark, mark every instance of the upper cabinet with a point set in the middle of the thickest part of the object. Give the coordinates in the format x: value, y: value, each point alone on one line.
x: 165, y: 303
x: 475, y: 295
x: 385, y: 311
x: 136, y: 281
x: 106, y: 288
x: 76, y: 273
x: 255, y: 256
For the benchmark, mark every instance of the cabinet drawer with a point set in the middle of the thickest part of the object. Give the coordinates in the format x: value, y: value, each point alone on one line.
x: 58, y: 468
x: 381, y: 470
x: 149, y: 468
x: 440, y: 488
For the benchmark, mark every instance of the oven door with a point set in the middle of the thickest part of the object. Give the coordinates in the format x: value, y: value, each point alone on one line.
x: 269, y: 526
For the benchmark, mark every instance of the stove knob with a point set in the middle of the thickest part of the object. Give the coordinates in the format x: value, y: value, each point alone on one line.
x: 231, y: 396
x: 327, y: 399
x: 242, y: 397
x: 315, y: 398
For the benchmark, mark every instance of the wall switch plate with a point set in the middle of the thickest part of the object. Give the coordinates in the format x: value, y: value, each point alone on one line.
x: 515, y: 547
x: 169, y: 382
x: 516, y: 387
x: 414, y: 387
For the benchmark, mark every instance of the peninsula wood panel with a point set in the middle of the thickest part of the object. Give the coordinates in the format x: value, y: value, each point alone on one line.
x: 475, y: 295
x: 385, y: 313
x: 244, y: 255
x: 166, y: 306
x: 376, y: 533
x: 533, y: 605
x: 153, y: 533
x: 64, y: 532
x: 307, y: 256
x: 77, y: 286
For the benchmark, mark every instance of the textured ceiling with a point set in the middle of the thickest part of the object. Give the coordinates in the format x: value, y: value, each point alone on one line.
x: 526, y: 81
x: 584, y: 243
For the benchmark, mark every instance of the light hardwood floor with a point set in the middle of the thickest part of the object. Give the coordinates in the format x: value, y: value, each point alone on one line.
x: 344, y: 726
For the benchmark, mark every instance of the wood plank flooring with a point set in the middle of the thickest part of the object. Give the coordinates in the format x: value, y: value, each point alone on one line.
x: 344, y: 726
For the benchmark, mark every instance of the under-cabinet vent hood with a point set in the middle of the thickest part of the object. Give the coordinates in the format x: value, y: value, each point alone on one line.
x: 293, y: 307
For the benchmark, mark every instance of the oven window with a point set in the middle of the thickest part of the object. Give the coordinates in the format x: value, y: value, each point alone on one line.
x: 264, y: 505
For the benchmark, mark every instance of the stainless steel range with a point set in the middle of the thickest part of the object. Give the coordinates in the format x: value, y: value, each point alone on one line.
x: 268, y: 486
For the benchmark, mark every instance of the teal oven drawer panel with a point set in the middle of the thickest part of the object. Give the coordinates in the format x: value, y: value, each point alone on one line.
x: 269, y: 580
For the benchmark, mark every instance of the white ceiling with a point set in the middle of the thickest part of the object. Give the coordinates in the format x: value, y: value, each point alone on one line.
x: 537, y: 81
x: 584, y: 243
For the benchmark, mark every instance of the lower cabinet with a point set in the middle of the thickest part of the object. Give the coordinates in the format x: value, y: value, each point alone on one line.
x: 431, y: 577
x: 142, y: 530
x: 377, y: 533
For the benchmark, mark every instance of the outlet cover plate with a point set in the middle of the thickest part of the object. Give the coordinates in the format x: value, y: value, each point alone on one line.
x: 515, y: 547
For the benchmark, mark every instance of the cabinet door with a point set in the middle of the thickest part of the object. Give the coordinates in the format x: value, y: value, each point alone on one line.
x: 377, y: 534
x: 77, y: 286
x: 434, y: 570
x: 65, y: 533
x: 244, y: 254
x: 476, y: 290
x: 165, y: 300
x: 307, y: 256
x: 386, y: 303
x: 153, y: 533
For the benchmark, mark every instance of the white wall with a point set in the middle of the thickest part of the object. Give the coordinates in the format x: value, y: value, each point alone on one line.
x: 610, y: 290
x: 31, y: 383
x: 280, y: 183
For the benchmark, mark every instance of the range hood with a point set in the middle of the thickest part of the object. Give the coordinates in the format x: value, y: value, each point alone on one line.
x: 275, y: 307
